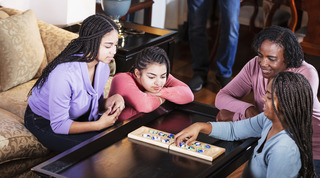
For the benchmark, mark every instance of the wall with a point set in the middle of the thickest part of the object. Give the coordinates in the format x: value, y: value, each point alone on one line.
x: 57, y: 12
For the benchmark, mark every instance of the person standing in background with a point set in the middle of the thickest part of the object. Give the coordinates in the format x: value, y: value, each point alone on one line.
x: 197, y: 20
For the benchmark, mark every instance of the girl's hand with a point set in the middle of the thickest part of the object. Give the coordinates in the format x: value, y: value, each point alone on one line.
x: 107, y: 119
x: 115, y: 102
x: 151, y: 93
x: 162, y: 100
x: 191, y: 133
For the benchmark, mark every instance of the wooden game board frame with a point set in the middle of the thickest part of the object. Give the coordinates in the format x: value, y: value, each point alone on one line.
x: 58, y: 164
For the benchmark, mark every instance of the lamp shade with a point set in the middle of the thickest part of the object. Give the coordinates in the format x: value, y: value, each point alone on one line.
x: 63, y: 12
x: 21, y: 5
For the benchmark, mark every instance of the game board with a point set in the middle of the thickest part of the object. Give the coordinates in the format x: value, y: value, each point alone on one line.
x: 166, y: 140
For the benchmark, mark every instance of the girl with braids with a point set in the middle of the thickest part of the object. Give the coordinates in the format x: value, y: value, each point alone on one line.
x: 277, y: 50
x: 285, y: 130
x: 66, y: 105
x: 149, y: 84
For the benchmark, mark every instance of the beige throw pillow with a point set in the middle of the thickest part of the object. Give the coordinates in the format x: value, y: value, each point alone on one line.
x: 16, y: 141
x: 21, y: 51
x: 3, y: 14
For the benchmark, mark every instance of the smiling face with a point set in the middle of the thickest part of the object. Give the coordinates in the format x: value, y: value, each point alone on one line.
x: 153, y: 77
x: 271, y: 59
x: 108, y: 47
x: 267, y: 100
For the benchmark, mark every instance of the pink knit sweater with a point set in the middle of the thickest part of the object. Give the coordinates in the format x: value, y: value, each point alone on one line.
x: 250, y: 79
x: 137, y: 101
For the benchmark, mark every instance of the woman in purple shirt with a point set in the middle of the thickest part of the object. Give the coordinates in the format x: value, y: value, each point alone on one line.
x: 277, y: 50
x: 66, y: 105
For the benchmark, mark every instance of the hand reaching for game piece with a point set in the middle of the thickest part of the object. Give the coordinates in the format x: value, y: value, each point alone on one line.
x: 191, y: 133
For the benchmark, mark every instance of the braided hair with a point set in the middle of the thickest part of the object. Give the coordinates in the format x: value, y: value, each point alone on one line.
x: 284, y: 38
x: 295, y: 99
x: 151, y: 55
x: 92, y: 30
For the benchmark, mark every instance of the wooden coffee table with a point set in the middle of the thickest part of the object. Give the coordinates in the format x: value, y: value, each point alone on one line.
x: 112, y: 154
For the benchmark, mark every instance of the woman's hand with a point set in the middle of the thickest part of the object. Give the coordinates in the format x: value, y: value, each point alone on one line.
x: 224, y: 116
x: 191, y: 133
x: 251, y: 111
x: 107, y: 119
x: 115, y: 102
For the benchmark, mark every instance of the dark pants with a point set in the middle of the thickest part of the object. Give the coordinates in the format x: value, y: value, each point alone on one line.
x: 40, y: 128
x: 316, y: 163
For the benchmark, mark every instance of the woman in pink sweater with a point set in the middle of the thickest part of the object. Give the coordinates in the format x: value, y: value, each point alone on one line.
x: 149, y: 84
x: 278, y: 50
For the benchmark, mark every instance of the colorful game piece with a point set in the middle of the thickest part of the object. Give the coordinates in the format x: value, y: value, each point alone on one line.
x: 206, y: 146
x: 196, y: 144
x: 146, y: 135
x: 154, y: 137
x: 166, y: 140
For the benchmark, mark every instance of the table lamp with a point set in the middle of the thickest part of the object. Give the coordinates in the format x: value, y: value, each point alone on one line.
x: 116, y: 9
x: 63, y: 13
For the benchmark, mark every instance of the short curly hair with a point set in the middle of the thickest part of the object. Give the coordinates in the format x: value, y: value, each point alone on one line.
x: 285, y: 38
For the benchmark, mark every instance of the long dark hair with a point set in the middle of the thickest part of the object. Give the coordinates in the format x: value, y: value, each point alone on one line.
x: 295, y: 99
x: 151, y: 55
x: 284, y: 37
x: 92, y: 30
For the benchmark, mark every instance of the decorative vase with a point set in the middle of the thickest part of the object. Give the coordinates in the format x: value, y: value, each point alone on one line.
x: 116, y: 9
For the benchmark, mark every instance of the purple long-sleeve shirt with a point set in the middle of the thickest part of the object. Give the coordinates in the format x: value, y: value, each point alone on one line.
x: 250, y: 79
x: 68, y: 94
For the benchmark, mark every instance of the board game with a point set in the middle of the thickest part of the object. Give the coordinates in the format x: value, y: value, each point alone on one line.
x: 166, y: 140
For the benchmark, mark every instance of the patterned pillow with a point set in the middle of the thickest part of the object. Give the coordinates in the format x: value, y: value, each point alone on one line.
x: 3, y: 14
x: 21, y: 51
x: 16, y: 142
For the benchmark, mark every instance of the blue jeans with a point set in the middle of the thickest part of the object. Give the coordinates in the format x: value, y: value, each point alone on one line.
x: 316, y: 163
x: 197, y: 19
x: 40, y: 128
x: 198, y: 39
x: 228, y: 42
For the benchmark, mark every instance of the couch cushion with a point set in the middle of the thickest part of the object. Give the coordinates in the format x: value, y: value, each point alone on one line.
x: 15, y: 99
x: 21, y: 168
x: 10, y: 11
x: 3, y: 14
x: 21, y: 51
x: 54, y: 39
x: 16, y: 142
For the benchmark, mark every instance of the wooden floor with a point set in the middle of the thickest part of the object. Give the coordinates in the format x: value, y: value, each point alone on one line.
x: 182, y: 64
x: 182, y: 69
